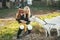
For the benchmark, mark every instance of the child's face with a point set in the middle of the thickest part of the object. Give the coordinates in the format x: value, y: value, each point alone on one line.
x: 21, y: 11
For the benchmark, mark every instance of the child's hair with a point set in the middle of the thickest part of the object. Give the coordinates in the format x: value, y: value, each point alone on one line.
x: 19, y: 12
x: 26, y: 10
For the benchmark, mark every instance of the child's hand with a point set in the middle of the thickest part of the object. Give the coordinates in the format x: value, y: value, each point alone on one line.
x: 23, y: 21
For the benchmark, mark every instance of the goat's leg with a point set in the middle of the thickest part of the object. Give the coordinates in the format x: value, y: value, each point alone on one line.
x: 58, y: 32
x: 49, y: 33
x: 46, y: 33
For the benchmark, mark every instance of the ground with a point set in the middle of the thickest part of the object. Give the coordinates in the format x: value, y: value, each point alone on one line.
x: 9, y: 32
x: 33, y: 35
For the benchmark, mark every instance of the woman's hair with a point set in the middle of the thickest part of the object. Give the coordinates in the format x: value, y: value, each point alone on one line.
x: 27, y: 11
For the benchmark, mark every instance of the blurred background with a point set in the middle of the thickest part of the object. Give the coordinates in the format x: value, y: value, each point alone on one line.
x: 12, y: 5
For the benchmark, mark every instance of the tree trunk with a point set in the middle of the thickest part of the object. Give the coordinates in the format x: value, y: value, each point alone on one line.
x: 4, y: 3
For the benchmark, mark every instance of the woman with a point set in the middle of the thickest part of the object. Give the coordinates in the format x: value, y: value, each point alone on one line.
x: 22, y: 17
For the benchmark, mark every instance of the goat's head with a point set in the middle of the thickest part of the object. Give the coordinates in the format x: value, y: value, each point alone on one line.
x: 32, y: 18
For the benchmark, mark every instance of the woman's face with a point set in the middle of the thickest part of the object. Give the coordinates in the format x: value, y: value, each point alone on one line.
x: 26, y: 11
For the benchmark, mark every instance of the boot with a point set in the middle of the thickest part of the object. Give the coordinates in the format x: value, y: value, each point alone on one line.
x: 19, y: 32
x: 29, y: 31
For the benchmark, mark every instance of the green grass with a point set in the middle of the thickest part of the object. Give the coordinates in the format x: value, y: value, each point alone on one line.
x: 41, y: 7
x: 4, y: 12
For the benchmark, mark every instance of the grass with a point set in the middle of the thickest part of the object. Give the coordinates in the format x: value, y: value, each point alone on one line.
x: 38, y: 7
x: 4, y: 12
x: 10, y: 28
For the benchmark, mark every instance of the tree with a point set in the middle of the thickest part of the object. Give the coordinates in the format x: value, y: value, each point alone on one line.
x: 4, y: 3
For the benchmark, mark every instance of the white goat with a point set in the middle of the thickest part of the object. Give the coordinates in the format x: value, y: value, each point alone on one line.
x: 47, y: 26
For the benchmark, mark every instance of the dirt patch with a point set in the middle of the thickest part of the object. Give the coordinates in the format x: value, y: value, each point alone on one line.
x: 35, y: 36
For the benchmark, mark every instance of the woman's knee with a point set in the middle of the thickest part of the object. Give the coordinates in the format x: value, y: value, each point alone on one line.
x: 29, y: 27
x: 21, y: 27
